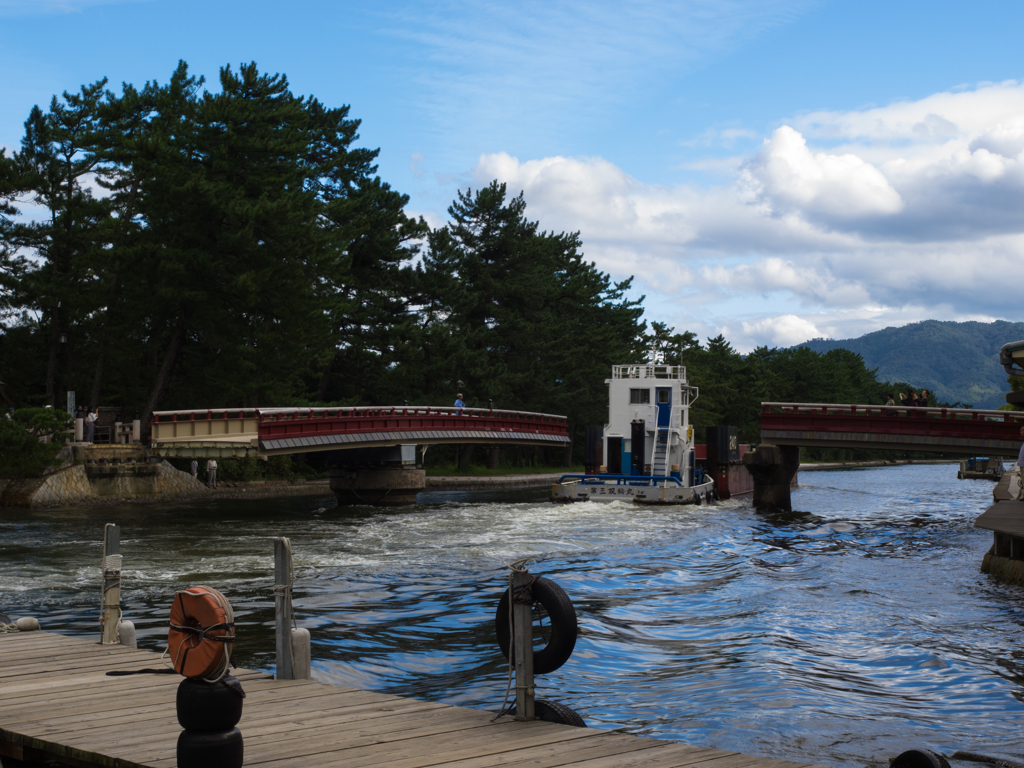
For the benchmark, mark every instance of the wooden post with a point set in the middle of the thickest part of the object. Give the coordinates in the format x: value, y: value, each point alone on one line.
x: 522, y: 641
x: 111, y: 607
x: 283, y: 606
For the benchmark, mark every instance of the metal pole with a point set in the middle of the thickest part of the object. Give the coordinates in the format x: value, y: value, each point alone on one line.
x: 283, y: 606
x: 111, y: 606
x: 522, y: 641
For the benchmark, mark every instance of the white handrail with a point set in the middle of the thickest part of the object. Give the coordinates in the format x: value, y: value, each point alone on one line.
x: 411, y: 410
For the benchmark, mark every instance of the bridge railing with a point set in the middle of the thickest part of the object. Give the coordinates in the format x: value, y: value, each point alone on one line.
x: 862, y: 411
x: 283, y: 423
x: 267, y: 415
x: 204, y: 424
x: 247, y: 423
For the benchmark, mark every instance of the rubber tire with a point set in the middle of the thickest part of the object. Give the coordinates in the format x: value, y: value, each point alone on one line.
x: 919, y: 758
x: 223, y: 749
x: 553, y: 712
x: 563, y: 626
x: 207, y: 707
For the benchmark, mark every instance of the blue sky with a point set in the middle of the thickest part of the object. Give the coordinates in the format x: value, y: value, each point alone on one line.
x: 772, y: 170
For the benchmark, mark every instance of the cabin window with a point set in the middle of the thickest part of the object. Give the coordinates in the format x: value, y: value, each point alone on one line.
x: 663, y: 396
x: 627, y: 446
x: 639, y: 396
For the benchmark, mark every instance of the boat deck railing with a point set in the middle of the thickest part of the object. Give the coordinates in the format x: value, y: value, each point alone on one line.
x: 635, y: 480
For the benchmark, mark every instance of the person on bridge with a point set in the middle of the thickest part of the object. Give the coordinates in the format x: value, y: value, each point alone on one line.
x: 922, y: 401
x: 458, y: 403
x: 90, y: 423
x: 890, y: 401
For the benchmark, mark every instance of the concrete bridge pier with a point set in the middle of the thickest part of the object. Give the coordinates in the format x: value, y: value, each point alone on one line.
x: 380, y: 477
x: 773, y: 468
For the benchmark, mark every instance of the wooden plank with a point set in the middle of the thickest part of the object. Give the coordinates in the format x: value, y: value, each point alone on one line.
x: 160, y: 701
x: 160, y: 733
x: 500, y: 737
x: 59, y: 703
x: 603, y: 743
x: 93, y: 701
x: 306, y: 741
x: 25, y: 691
x: 124, y: 660
x: 664, y: 755
x: 1003, y: 517
x: 156, y: 722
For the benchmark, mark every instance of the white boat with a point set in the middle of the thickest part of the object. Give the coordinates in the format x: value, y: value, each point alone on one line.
x: 647, y: 443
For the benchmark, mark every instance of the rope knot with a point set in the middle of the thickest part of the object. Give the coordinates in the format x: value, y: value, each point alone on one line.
x: 523, y: 594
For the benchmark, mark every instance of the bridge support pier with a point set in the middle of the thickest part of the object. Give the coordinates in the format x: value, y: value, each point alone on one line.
x: 773, y: 468
x: 379, y: 477
x: 379, y: 487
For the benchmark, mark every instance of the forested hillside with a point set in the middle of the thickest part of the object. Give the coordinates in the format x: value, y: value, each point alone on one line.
x: 178, y: 247
x: 957, y: 361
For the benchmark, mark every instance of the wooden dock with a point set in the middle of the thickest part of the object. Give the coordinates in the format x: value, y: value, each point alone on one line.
x: 57, y: 702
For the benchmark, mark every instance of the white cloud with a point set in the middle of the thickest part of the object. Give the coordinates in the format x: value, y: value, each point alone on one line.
x: 840, y: 224
x: 783, y: 331
x: 822, y: 186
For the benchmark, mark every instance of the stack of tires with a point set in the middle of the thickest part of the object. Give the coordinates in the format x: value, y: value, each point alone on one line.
x: 561, y: 641
x: 209, y: 713
x: 209, y: 701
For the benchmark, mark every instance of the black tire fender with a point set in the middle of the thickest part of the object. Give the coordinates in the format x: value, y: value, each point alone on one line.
x: 563, y: 626
x: 220, y: 749
x: 919, y: 758
x: 207, y: 707
x: 553, y: 712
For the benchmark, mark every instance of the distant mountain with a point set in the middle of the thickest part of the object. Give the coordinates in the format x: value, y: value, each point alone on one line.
x: 956, y: 361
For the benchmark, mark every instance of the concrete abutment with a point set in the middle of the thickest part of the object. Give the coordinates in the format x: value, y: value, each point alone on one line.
x: 773, y: 468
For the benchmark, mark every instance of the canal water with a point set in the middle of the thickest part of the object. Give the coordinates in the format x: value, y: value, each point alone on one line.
x: 842, y: 633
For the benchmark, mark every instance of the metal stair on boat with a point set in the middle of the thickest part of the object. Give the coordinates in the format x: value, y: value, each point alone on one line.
x: 659, y: 468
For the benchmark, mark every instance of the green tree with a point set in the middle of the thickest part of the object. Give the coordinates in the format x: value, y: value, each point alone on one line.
x: 52, y: 170
x: 22, y: 450
x: 518, y: 314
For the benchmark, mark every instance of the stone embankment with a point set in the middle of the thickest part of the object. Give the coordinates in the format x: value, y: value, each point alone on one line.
x: 81, y: 485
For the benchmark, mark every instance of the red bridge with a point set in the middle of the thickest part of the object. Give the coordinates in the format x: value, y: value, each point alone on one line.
x: 225, y: 432
x: 942, y: 430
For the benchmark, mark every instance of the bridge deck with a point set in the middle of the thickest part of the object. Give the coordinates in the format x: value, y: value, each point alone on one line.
x: 57, y: 702
x: 940, y: 430
x: 270, y: 431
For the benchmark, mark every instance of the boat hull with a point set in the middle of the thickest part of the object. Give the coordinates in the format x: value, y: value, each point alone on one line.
x: 666, y: 494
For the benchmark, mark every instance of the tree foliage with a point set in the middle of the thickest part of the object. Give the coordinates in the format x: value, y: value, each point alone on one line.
x: 29, y: 442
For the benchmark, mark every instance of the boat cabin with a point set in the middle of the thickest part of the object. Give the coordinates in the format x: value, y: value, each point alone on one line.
x: 648, y: 430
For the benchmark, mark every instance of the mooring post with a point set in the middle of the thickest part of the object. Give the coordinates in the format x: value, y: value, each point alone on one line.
x: 522, y: 642
x: 293, y: 643
x: 110, y: 612
x: 283, y: 606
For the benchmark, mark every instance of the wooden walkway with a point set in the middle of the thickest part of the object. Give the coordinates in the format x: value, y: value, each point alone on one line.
x: 56, y: 701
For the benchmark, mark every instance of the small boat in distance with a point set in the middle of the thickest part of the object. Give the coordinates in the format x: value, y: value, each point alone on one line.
x: 981, y: 468
x: 648, y: 442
